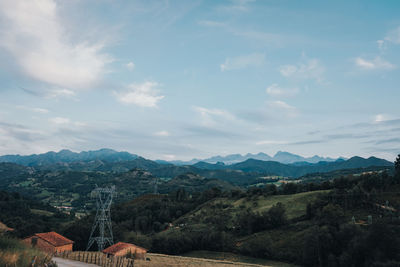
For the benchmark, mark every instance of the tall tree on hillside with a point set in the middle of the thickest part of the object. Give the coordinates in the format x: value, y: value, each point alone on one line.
x: 397, y: 166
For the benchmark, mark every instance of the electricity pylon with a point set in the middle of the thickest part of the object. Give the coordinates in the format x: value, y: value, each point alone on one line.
x: 102, y: 221
x: 155, y: 188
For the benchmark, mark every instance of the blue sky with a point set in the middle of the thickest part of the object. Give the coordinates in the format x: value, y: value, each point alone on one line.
x: 183, y: 79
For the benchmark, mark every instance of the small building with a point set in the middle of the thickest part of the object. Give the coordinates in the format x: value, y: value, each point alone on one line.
x: 122, y: 249
x: 50, y: 242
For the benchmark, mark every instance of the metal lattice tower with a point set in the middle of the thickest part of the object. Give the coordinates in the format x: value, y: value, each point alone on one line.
x: 155, y: 184
x: 101, y: 230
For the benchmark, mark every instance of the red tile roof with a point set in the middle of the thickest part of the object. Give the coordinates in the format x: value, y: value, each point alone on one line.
x: 54, y: 239
x: 119, y: 246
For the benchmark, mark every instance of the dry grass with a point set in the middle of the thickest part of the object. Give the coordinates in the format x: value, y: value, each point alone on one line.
x: 14, y: 253
x: 228, y: 256
x: 157, y: 260
x: 9, y: 258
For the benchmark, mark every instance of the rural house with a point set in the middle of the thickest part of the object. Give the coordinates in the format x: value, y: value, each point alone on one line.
x: 122, y: 249
x: 49, y: 242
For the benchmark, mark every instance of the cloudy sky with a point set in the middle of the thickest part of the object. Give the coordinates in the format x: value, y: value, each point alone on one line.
x: 183, y: 79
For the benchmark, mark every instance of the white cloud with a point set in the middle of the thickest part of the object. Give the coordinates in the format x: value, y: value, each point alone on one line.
x: 381, y: 117
x: 241, y: 62
x: 211, y: 23
x: 162, y: 133
x: 37, y: 110
x: 213, y: 117
x: 168, y: 157
x: 130, y: 66
x: 238, y: 6
x: 373, y: 64
x: 276, y: 91
x: 280, y: 104
x: 381, y: 44
x: 283, y: 108
x: 41, y: 110
x: 35, y: 36
x: 56, y: 93
x: 394, y: 36
x: 271, y: 142
x: 60, y: 120
x: 309, y: 69
x: 142, y: 94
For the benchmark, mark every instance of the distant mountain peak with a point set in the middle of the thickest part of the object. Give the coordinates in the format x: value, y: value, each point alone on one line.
x: 280, y: 156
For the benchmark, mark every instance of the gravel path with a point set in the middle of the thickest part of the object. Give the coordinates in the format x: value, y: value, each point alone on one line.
x: 70, y: 263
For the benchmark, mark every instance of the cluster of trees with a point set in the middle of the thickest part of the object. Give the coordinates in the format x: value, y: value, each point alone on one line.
x: 16, y: 212
x: 249, y: 222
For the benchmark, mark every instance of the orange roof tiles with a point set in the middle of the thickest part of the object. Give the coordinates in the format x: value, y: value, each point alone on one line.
x: 119, y: 246
x: 54, y: 239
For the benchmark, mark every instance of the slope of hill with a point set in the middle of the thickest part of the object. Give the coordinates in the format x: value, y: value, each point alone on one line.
x: 191, y: 182
x: 103, y: 165
x: 12, y: 170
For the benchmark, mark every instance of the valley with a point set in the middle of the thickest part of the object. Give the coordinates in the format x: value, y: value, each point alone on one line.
x: 250, y: 208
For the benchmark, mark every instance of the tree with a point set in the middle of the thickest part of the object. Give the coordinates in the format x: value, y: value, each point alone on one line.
x: 332, y: 215
x: 277, y: 215
x: 397, y: 167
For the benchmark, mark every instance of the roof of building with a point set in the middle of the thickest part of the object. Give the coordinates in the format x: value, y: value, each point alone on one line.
x: 54, y: 239
x: 120, y: 246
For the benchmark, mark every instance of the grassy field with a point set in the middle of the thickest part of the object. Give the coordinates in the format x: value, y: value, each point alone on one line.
x: 295, y: 204
x: 42, y: 212
x: 157, y: 260
x: 226, y: 256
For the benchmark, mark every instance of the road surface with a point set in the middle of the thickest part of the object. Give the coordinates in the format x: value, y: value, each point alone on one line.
x: 70, y: 263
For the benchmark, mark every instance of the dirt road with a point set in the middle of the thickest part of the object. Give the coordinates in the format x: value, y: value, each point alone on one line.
x: 70, y: 263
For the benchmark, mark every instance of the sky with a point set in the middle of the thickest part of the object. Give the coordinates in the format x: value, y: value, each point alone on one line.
x: 191, y: 79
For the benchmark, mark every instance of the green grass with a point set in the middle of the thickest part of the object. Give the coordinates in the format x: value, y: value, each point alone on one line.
x: 234, y: 258
x: 26, y: 183
x: 42, y: 212
x: 44, y: 194
x: 295, y: 204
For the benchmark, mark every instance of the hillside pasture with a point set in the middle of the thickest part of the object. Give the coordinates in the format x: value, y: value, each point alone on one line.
x: 295, y: 204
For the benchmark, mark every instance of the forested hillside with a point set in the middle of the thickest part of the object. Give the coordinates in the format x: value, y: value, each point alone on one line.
x: 338, y: 218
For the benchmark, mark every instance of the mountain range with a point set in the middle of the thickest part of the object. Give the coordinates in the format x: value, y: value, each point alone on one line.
x: 107, y: 160
x: 67, y: 156
x: 280, y: 156
x: 112, y: 156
